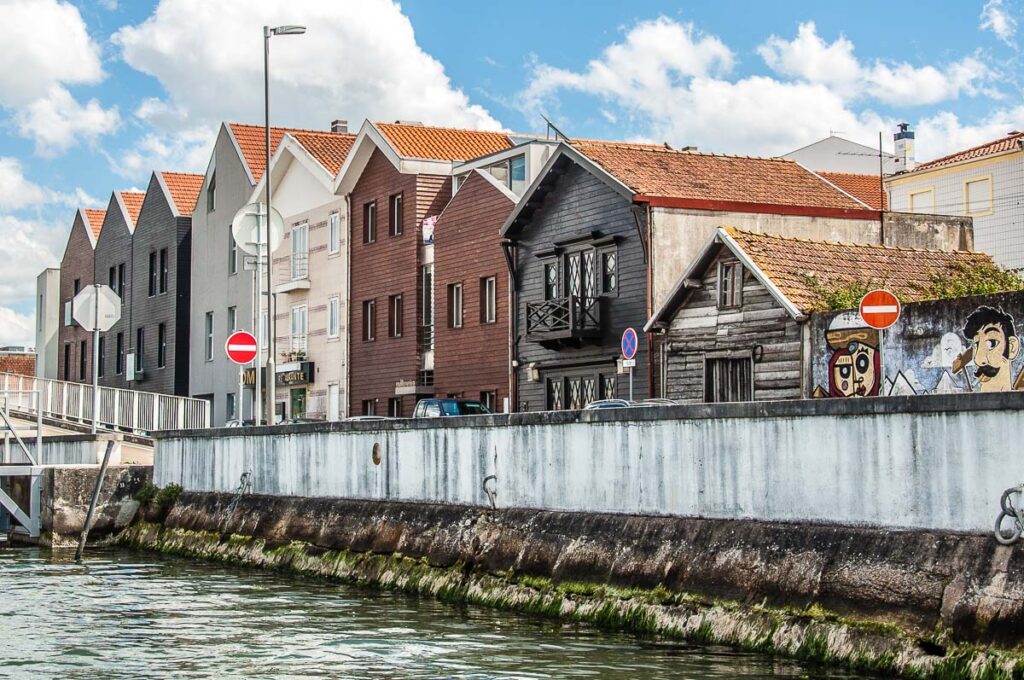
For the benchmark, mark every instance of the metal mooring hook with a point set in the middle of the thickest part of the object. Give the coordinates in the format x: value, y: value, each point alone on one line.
x: 1013, y: 512
x: 244, y: 487
x: 491, y: 494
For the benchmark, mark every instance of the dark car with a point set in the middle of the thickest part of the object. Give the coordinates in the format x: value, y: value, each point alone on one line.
x: 437, y: 408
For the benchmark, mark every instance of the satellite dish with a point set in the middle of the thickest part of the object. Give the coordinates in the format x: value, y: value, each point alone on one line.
x: 247, y: 232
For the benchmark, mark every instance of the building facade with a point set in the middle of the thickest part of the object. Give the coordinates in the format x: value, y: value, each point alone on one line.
x: 48, y: 310
x: 77, y: 270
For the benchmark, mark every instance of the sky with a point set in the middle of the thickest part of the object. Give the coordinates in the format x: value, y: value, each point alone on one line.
x: 95, y: 95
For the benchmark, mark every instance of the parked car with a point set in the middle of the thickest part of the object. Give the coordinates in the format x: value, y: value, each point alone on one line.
x: 353, y: 419
x: 606, y: 403
x: 647, y: 403
x: 438, y: 408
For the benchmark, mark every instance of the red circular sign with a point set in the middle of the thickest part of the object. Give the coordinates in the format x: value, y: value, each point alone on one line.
x: 880, y: 309
x: 241, y: 347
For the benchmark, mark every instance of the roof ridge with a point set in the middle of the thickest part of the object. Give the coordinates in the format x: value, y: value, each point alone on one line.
x: 969, y: 149
x: 274, y: 127
x: 878, y: 246
x: 181, y: 174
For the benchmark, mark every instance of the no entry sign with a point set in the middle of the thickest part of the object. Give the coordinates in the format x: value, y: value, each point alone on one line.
x: 880, y: 309
x: 241, y: 347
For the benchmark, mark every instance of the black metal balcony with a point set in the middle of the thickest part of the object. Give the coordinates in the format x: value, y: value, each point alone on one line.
x: 572, y: 318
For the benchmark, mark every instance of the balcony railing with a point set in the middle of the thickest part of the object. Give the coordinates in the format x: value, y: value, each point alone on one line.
x: 567, y: 318
x: 297, y: 345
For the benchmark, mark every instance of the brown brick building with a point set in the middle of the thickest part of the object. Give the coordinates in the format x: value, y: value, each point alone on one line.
x: 74, y: 362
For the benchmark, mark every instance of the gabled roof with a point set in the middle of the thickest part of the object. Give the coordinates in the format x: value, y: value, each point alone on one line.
x: 251, y: 142
x: 795, y: 270
x: 94, y: 221
x: 131, y: 203
x: 1008, y: 143
x: 329, y: 149
x: 472, y: 177
x: 182, y: 189
x: 865, y: 188
x: 442, y: 143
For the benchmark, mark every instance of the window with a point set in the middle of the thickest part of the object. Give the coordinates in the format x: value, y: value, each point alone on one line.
x: 978, y: 196
x: 265, y: 329
x: 232, y: 253
x: 728, y: 379
x: 489, y: 299
x: 232, y: 413
x: 609, y: 271
x: 427, y: 294
x: 83, y: 354
x: 490, y: 400
x: 395, y: 316
x: 67, y: 361
x: 922, y: 201
x: 369, y: 320
x: 299, y: 326
x: 78, y: 286
x: 395, y: 215
x: 300, y: 251
x: 232, y: 318
x: 395, y: 407
x: 208, y: 349
x: 152, y: 274
x: 112, y: 279
x: 140, y: 347
x: 101, y: 365
x: 211, y: 192
x: 454, y: 305
x: 369, y: 407
x: 517, y: 175
x: 161, y: 346
x: 163, y: 270
x: 554, y: 391
x: 120, y: 281
x: 550, y: 280
x: 119, y: 354
x: 39, y: 314
x: 370, y: 222
x: 730, y: 284
x: 334, y: 232
x: 333, y: 316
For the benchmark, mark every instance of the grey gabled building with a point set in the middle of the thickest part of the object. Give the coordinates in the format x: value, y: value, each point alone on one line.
x: 160, y: 283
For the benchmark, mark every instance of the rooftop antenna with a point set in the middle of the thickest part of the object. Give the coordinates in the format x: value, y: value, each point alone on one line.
x: 835, y: 133
x: 551, y: 126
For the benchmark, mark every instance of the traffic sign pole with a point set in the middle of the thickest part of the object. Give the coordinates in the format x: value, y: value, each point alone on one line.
x: 95, y: 362
x: 629, y: 345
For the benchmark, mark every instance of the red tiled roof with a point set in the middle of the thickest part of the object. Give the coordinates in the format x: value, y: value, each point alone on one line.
x: 1007, y: 143
x: 132, y: 203
x: 94, y: 220
x: 252, y: 141
x: 700, y: 178
x: 328, y: 148
x: 867, y: 188
x: 800, y: 266
x: 442, y: 144
x: 184, y: 189
x: 20, y: 364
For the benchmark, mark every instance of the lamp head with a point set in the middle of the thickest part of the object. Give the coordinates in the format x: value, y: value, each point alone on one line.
x: 288, y: 30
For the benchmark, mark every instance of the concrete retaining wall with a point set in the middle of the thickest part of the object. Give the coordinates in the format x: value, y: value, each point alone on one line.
x: 74, y: 449
x: 937, y: 462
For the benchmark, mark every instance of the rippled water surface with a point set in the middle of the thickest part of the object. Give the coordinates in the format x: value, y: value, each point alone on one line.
x: 124, y: 614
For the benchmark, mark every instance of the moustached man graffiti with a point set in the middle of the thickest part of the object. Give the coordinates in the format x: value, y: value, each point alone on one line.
x: 993, y: 347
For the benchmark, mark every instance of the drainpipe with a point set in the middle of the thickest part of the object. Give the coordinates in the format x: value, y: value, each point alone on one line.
x: 650, y: 304
x: 348, y: 302
x: 508, y: 247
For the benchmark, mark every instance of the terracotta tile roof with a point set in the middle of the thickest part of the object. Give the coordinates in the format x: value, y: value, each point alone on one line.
x: 184, y: 189
x: 443, y: 144
x: 699, y: 177
x: 133, y: 204
x: 252, y: 141
x: 867, y: 188
x: 94, y: 220
x: 328, y: 148
x: 21, y: 364
x: 1007, y: 143
x: 794, y: 265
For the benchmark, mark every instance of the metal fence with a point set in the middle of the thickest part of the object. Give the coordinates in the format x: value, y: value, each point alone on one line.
x: 126, y: 410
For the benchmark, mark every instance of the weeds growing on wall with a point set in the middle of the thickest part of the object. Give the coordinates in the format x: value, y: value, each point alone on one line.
x: 962, y: 280
x: 837, y: 296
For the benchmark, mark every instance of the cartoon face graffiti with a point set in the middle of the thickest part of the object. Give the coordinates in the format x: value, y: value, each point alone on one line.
x: 855, y: 371
x: 993, y: 347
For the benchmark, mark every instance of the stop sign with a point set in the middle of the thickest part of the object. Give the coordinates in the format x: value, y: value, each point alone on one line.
x: 880, y: 309
x: 241, y: 347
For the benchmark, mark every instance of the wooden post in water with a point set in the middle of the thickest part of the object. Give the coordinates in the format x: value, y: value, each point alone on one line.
x: 95, y: 498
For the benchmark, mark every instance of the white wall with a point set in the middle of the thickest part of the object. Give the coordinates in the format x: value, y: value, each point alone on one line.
x: 942, y: 466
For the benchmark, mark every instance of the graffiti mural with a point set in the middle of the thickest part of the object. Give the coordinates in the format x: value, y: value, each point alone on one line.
x: 937, y: 347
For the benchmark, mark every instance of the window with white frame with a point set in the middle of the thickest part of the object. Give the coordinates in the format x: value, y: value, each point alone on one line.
x: 489, y: 299
x: 730, y: 285
x: 299, y: 323
x: 333, y: 316
x: 334, y: 232
x: 232, y: 318
x: 978, y: 196
x: 208, y: 349
x: 300, y: 251
x: 232, y: 254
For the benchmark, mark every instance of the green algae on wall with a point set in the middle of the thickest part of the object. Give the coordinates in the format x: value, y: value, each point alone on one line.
x: 812, y: 634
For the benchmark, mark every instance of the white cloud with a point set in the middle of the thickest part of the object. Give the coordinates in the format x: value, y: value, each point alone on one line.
x: 944, y: 133
x: 808, y: 57
x: 357, y: 60
x: 16, y: 329
x: 37, y: 66
x: 995, y: 18
x: 17, y: 192
x: 28, y: 246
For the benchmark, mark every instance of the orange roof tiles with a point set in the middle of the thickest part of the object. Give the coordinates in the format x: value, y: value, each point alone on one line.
x: 184, y: 189
x: 132, y: 203
x: 328, y: 148
x: 867, y: 188
x: 94, y: 220
x: 442, y: 144
x: 698, y: 177
x: 252, y: 142
x: 796, y: 265
x: 1007, y: 143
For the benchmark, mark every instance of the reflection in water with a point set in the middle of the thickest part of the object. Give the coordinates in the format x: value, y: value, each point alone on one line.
x: 124, y: 614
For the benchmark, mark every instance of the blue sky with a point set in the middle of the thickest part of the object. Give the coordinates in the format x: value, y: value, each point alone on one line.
x: 94, y: 95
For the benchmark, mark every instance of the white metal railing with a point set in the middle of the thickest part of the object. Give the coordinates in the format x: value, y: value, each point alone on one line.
x: 120, y: 409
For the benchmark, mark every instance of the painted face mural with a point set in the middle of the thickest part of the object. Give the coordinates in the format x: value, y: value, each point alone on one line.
x: 992, y: 347
x: 855, y: 368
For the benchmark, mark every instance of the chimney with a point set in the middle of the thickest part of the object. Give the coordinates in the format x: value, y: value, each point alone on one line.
x: 339, y: 126
x: 904, y: 147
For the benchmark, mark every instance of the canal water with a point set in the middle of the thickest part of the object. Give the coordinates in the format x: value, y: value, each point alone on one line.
x: 136, y: 615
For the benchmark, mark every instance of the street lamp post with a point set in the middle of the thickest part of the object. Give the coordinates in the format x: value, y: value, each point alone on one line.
x: 268, y: 33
